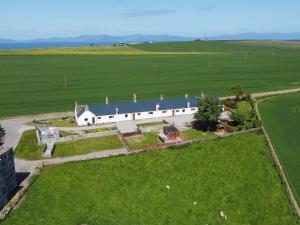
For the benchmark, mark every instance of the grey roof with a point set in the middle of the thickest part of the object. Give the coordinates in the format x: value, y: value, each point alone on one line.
x: 141, y: 106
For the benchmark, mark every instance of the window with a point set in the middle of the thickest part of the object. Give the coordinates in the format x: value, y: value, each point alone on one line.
x: 193, y: 109
x: 139, y: 114
x: 150, y: 112
x: 111, y: 117
x: 86, y: 119
x: 177, y: 110
x: 99, y: 117
x: 164, y: 111
x: 183, y: 110
x: 126, y: 115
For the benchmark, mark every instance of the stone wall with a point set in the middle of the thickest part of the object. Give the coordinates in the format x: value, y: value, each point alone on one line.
x: 8, y: 181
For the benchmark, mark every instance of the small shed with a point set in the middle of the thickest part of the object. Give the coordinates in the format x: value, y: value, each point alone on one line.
x: 171, y: 132
x: 128, y: 128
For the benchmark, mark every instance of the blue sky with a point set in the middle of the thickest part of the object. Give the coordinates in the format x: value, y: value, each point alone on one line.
x: 27, y: 19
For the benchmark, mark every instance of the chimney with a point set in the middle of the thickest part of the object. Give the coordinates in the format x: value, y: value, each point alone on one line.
x: 157, y: 107
x: 117, y: 111
x: 86, y: 107
x: 161, y: 97
x: 186, y: 96
x: 134, y: 98
x: 188, y: 104
x: 202, y: 94
x: 106, y: 100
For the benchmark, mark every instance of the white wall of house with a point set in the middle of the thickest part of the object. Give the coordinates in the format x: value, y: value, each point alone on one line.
x: 87, y: 117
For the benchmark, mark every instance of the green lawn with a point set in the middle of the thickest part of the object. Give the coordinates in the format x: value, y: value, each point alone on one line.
x: 36, y: 84
x: 234, y: 175
x: 147, y: 139
x: 192, y: 134
x: 281, y: 118
x: 84, y: 146
x: 28, y: 147
x: 244, y: 107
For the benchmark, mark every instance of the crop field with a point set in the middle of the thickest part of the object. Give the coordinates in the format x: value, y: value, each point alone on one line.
x: 281, y: 117
x: 234, y: 175
x: 52, y: 82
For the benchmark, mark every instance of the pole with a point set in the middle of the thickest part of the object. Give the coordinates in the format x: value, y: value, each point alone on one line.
x: 246, y: 55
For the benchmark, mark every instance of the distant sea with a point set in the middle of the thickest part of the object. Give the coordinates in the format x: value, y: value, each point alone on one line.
x: 27, y: 45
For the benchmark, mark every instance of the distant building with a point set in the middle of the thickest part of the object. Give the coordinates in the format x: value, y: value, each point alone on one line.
x: 8, y: 181
x: 130, y: 111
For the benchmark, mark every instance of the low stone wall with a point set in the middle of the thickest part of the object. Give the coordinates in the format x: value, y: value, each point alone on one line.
x: 13, y: 202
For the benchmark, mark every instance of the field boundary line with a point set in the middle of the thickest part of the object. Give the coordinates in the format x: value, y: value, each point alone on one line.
x: 279, y: 166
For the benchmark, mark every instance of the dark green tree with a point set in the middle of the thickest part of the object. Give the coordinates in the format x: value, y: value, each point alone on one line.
x: 237, y: 117
x: 209, y: 111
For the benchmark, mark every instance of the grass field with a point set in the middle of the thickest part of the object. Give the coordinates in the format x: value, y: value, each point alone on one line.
x: 36, y: 84
x: 192, y: 134
x: 28, y: 147
x: 234, y: 175
x: 84, y: 146
x: 281, y: 118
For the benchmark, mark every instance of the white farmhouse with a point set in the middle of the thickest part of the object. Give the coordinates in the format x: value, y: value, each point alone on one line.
x: 136, y: 110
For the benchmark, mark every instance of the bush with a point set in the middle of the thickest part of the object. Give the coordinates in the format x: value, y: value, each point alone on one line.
x: 256, y: 123
x: 231, y: 103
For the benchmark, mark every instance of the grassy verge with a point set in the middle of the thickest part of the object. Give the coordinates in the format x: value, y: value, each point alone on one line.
x: 69, y: 122
x: 63, y: 133
x: 147, y: 139
x: 28, y: 147
x: 84, y: 146
x: 150, y: 124
x: 102, y: 129
x: 234, y: 175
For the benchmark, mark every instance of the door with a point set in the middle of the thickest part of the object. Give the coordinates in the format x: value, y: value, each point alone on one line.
x: 173, y: 112
x: 93, y: 120
x: 133, y: 116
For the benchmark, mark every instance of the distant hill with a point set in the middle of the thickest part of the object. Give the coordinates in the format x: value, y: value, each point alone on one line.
x: 139, y: 38
x: 2, y: 40
x: 258, y: 36
x: 98, y: 39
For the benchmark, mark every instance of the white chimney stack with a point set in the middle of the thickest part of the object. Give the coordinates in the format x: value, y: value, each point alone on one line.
x: 161, y: 97
x: 106, y: 100
x: 117, y: 110
x: 188, y: 104
x: 186, y: 96
x: 157, y: 107
x: 134, y: 98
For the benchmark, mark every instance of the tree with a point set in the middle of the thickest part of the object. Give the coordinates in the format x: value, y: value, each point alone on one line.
x: 209, y: 111
x: 237, y: 117
x: 238, y: 91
